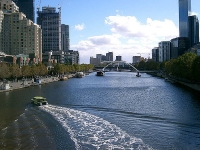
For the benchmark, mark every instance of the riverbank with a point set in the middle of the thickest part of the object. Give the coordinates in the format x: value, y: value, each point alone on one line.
x: 30, y: 82
x: 192, y: 85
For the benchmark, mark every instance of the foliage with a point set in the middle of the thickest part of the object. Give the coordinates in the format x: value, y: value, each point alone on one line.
x: 182, y: 66
x: 152, y: 65
x: 26, y: 71
x: 40, y: 70
x: 141, y: 65
x: 15, y: 71
x: 4, y: 71
x: 196, y: 69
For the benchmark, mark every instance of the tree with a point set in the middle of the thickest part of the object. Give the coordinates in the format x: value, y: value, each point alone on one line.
x: 26, y: 71
x: 34, y: 70
x: 59, y: 68
x: 4, y: 71
x: 184, y: 64
x: 141, y: 65
x: 76, y: 67
x: 196, y: 69
x: 42, y: 69
x: 15, y: 71
x: 152, y: 65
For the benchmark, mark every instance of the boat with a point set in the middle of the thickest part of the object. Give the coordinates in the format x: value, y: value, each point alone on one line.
x: 63, y: 78
x: 100, y: 73
x: 79, y: 75
x: 39, y: 101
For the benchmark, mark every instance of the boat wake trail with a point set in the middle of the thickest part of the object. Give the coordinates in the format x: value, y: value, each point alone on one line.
x: 91, y: 132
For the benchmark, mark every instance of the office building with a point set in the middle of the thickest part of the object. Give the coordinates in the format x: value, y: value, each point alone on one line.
x: 179, y: 46
x: 193, y: 30
x: 118, y: 58
x: 184, y: 12
x: 136, y: 59
x: 27, y: 7
x: 109, y: 56
x: 155, y: 54
x: 99, y: 56
x: 95, y: 61
x: 65, y: 41
x: 164, y: 51
x: 19, y: 35
x: 50, y: 21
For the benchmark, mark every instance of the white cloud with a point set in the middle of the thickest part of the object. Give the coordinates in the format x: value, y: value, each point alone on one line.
x: 79, y: 26
x: 128, y: 37
x: 129, y: 26
x: 194, y: 13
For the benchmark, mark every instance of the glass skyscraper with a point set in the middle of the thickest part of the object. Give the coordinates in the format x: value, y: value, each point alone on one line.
x: 27, y: 7
x: 193, y: 30
x: 50, y: 21
x: 184, y: 12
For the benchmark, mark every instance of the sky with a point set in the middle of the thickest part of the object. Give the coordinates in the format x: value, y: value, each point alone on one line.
x: 125, y: 27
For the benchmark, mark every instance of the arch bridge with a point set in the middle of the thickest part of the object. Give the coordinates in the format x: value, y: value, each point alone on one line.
x: 117, y: 62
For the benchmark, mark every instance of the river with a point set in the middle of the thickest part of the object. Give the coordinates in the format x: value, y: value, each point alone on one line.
x: 116, y: 111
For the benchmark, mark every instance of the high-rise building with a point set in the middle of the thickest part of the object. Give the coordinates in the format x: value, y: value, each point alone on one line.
x: 164, y: 51
x: 18, y: 34
x: 184, y: 12
x: 193, y: 30
x: 179, y: 46
x: 95, y: 61
x: 27, y: 7
x: 50, y: 22
x: 65, y: 41
x: 118, y: 58
x: 109, y: 56
x: 99, y: 56
x: 155, y: 54
x: 136, y: 59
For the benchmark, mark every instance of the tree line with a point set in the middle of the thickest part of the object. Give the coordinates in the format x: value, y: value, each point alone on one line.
x: 186, y: 66
x: 14, y: 71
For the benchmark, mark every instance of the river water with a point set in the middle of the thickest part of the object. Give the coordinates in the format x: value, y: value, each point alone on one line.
x: 116, y: 111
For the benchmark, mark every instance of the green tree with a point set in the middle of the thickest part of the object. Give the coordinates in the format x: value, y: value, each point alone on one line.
x: 152, y: 65
x: 196, y: 69
x: 76, y: 67
x: 34, y: 70
x: 26, y: 71
x: 141, y: 65
x: 15, y: 71
x: 59, y: 68
x: 4, y: 71
x: 184, y: 64
x: 42, y: 69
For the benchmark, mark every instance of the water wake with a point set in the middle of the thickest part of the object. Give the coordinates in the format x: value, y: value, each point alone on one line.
x: 91, y: 132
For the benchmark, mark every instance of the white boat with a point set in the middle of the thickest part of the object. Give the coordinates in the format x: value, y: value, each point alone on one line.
x: 79, y: 75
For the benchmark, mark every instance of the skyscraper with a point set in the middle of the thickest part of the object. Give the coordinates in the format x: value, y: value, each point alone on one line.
x: 18, y: 34
x: 50, y: 22
x: 109, y: 56
x: 184, y: 12
x: 65, y: 37
x: 193, y: 30
x: 27, y: 7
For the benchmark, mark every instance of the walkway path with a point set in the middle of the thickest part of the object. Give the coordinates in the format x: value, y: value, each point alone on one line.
x: 27, y: 83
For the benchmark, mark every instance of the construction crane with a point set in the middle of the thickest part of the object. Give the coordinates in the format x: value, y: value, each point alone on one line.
x: 38, y: 5
x: 144, y: 53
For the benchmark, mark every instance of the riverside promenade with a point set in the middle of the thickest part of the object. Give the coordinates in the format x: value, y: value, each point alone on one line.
x: 29, y: 82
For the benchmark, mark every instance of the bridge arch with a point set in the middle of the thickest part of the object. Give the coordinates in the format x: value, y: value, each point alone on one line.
x: 114, y: 62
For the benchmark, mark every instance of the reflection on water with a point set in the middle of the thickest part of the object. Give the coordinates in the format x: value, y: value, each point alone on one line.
x: 116, y: 111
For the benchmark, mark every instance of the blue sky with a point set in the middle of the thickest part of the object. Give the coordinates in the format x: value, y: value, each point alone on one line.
x: 124, y: 27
